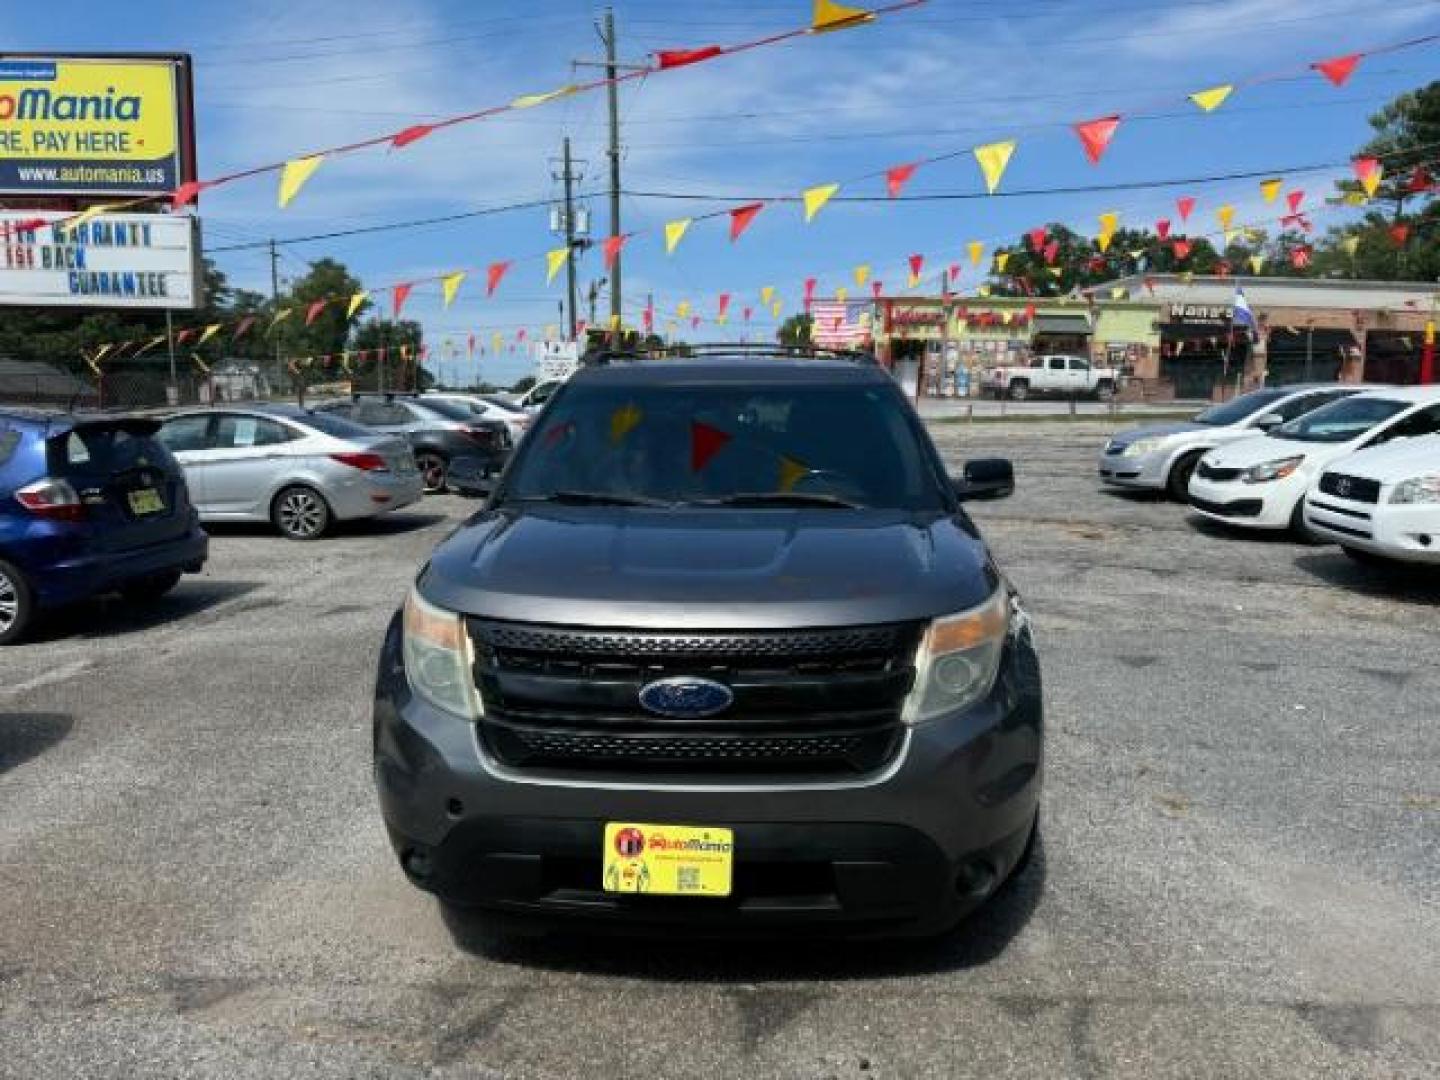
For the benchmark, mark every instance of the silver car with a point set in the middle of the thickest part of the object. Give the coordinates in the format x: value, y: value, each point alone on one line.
x: 1163, y: 457
x: 298, y: 469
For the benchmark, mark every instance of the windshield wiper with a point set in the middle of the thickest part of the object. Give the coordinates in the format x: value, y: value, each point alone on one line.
x: 597, y: 498
x: 780, y: 498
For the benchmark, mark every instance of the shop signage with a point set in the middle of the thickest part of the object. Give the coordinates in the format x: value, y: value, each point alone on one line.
x: 1202, y: 314
x: 917, y: 316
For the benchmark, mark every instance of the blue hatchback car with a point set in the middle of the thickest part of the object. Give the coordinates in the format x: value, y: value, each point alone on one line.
x: 88, y: 505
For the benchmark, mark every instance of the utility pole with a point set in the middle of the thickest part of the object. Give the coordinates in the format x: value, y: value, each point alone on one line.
x: 170, y: 345
x: 570, y: 234
x: 275, y: 298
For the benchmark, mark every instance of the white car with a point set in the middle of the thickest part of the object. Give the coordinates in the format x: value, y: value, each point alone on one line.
x: 487, y: 408
x: 1382, y: 503
x: 534, y: 398
x: 1260, y: 483
x: 1162, y: 457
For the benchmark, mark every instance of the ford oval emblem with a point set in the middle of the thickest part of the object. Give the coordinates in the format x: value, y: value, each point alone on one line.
x: 686, y: 697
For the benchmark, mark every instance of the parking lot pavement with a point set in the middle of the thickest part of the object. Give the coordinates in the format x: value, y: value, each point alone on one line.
x: 1239, y: 874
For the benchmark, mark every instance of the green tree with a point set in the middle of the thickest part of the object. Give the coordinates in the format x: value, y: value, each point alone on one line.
x: 329, y: 332
x: 795, y: 330
x: 392, y: 373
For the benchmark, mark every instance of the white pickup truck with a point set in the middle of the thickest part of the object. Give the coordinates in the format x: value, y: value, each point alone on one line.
x: 1069, y: 376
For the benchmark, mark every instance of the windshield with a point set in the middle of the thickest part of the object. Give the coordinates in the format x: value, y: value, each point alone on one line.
x: 728, y: 444
x: 1246, y: 405
x: 1341, y: 421
x: 328, y: 423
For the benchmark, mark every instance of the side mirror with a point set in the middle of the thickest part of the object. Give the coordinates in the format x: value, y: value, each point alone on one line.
x: 985, y: 478
x: 1268, y: 420
x: 470, y: 476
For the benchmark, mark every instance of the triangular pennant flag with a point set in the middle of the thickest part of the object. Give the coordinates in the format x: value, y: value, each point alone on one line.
x: 529, y: 101
x: 816, y: 197
x: 832, y: 16
x: 1119, y: 293
x: 674, y: 231
x: 917, y: 264
x: 450, y: 285
x: 497, y: 342
x: 1162, y: 228
x: 398, y: 295
x: 1095, y: 136
x: 187, y: 193
x: 862, y: 273
x: 994, y: 159
x: 1109, y: 221
x: 897, y: 177
x: 1052, y: 252
x: 695, y: 322
x: 71, y: 224
x: 1225, y: 215
x: 1212, y: 99
x: 1270, y: 189
x: 810, y: 284
x: 741, y: 217
x: 1001, y: 259
x: 184, y: 335
x: 293, y: 175
x: 611, y: 248
x: 842, y: 294
x: 1293, y: 200
x: 356, y: 300
x: 682, y: 309
x: 210, y: 331
x: 976, y: 250
x: 494, y: 273
x: 1338, y: 69
x: 245, y: 324
x: 1257, y: 263
x: 1037, y: 237
x: 1103, y: 241
x: 767, y: 294
x: 1300, y: 257
x: 554, y: 260
x: 747, y: 313
x: 791, y: 473
x: 313, y: 311
x: 149, y: 345
x: 1182, y: 249
x: 1351, y: 244
x: 280, y: 316
x: 1399, y: 233
x: 673, y: 58
x: 775, y: 309
x: 1368, y: 172
x: 1056, y: 271
x: 1185, y: 204
x: 1420, y: 181
x: 470, y: 344
x: 705, y: 443
x: 413, y: 133
x: 723, y: 305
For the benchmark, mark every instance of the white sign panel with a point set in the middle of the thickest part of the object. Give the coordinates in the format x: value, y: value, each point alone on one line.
x: 110, y: 261
x: 556, y: 359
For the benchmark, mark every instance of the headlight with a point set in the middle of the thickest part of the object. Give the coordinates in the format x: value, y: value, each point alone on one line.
x: 437, y: 657
x: 1272, y: 470
x: 958, y: 659
x: 1419, y: 489
x: 1141, y: 447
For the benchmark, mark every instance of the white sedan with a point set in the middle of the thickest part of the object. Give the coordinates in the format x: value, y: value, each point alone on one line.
x: 1382, y: 503
x: 1260, y: 483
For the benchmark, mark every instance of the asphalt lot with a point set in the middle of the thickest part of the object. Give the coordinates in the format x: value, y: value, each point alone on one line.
x: 1240, y: 874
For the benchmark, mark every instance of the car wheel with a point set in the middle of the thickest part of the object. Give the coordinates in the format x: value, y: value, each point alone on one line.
x: 143, y: 590
x: 17, y: 604
x: 1019, y: 391
x: 300, y: 513
x: 1177, y: 484
x: 1104, y: 391
x: 432, y: 469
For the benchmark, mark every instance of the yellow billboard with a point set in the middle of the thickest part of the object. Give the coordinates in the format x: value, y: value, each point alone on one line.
x: 94, y: 125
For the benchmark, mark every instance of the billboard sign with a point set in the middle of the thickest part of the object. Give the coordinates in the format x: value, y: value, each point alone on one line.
x: 95, y: 125
x: 556, y: 359
x: 111, y: 261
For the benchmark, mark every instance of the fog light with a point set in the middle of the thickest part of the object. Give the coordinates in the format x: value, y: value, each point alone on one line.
x: 416, y: 863
x: 975, y: 878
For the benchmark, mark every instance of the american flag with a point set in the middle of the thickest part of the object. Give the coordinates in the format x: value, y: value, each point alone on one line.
x: 839, y: 324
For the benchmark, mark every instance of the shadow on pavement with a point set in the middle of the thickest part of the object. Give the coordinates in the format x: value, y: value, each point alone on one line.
x: 1409, y: 583
x: 27, y: 735
x: 978, y: 940
x: 391, y: 524
x: 112, y: 615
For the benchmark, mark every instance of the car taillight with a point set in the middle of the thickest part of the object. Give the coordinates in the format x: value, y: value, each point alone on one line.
x: 367, y: 462
x: 52, y: 499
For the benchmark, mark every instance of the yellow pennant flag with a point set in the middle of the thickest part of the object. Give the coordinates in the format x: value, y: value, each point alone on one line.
x: 280, y: 316
x: 674, y: 231
x: 976, y: 250
x: 450, y: 285
x: 209, y: 332
x: 994, y: 159
x: 294, y: 174
x: 775, y: 309
x: 150, y: 344
x: 1371, y: 181
x: 767, y: 294
x: 1351, y: 244
x: 1056, y: 271
x: 983, y: 290
x: 1109, y: 222
x: 356, y: 300
x: 1119, y: 294
x: 101, y: 351
x: 554, y: 260
x: 913, y: 281
x: 816, y: 197
x: 1225, y: 215
x: 862, y: 274
x: 1002, y: 259
x: 1270, y: 189
x: 832, y: 16
x: 72, y: 224
x: 1212, y: 99
x: 623, y: 421
x: 791, y: 473
x: 1257, y: 263
x: 1353, y: 198
x: 1188, y: 277
x: 1230, y: 236
x: 497, y: 342
x: 1006, y: 317
x: 552, y: 331
x: 842, y: 294
x: 1103, y: 241
x: 682, y: 309
x: 529, y: 101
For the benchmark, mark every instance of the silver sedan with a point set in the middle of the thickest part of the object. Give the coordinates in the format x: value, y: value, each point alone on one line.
x: 300, y: 470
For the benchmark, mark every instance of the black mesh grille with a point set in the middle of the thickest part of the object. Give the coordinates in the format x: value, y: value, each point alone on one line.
x: 1354, y: 488
x: 568, y: 641
x: 1210, y: 472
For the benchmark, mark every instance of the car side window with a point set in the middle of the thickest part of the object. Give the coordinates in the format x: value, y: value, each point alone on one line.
x: 243, y: 432
x: 1057, y: 363
x: 375, y: 414
x: 1076, y: 364
x: 185, y: 433
x: 1421, y: 422
x: 1299, y: 406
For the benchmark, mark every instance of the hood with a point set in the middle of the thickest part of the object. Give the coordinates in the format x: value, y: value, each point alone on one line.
x: 772, y: 569
x: 1130, y: 435
x: 1393, y: 461
x: 1259, y: 449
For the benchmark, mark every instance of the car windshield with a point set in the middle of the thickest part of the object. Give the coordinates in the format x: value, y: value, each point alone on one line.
x: 728, y: 445
x: 1341, y: 421
x: 329, y: 424
x: 1240, y: 408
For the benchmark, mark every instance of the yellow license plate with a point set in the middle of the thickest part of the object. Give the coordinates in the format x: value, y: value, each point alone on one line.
x: 668, y: 860
x: 146, y: 501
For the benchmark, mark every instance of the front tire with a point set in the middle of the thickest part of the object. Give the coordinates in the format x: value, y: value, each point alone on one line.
x: 17, y: 604
x: 300, y: 513
x: 1177, y: 484
x: 149, y: 589
x: 1019, y: 391
x: 1104, y: 391
x: 1298, y: 529
x: 433, y: 468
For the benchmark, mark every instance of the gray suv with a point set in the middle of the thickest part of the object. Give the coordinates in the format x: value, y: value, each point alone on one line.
x: 721, y: 652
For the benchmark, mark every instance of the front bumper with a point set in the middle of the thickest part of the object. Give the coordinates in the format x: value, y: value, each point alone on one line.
x: 908, y: 850
x: 1407, y: 531
x: 1254, y: 506
x: 1147, y: 472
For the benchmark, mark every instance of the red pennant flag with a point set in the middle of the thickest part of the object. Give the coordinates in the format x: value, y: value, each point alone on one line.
x: 1294, y: 199
x: 1365, y: 167
x: 724, y: 304
x: 1162, y: 228
x: 747, y: 313
x: 581, y: 327
x: 1222, y: 268
x: 1419, y: 180
x: 673, y: 58
x: 424, y: 352
x: 695, y: 322
x: 647, y: 319
x: 1095, y: 264
x: 1150, y: 285
x: 917, y: 263
x: 612, y: 247
x: 1185, y: 204
x: 313, y: 311
x: 810, y: 284
x: 520, y: 334
x: 1338, y: 69
x: 414, y: 133
x: 954, y: 272
x: 897, y: 177
x: 495, y: 273
x: 1052, y: 252
x: 1037, y: 237
x: 1300, y: 258
x: 1095, y: 136
x: 398, y: 296
x: 470, y: 344
x: 187, y: 193
x: 705, y: 443
x: 876, y: 288
x: 1029, y: 312
x: 183, y: 336
x: 1399, y: 233
x: 1182, y: 249
x: 245, y: 324
x: 741, y: 217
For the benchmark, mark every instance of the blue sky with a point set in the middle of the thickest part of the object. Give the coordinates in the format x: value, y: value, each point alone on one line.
x: 275, y: 79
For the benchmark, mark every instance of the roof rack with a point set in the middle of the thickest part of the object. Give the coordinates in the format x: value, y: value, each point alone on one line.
x: 607, y: 357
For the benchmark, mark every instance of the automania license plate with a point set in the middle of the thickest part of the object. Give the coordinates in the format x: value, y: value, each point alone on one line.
x: 146, y: 501
x: 668, y: 860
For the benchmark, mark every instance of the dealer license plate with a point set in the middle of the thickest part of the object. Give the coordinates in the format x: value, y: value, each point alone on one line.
x: 668, y: 860
x: 146, y: 501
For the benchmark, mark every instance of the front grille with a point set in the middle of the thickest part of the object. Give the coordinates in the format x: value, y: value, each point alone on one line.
x: 1354, y: 488
x: 1211, y: 472
x: 1240, y: 508
x: 812, y: 702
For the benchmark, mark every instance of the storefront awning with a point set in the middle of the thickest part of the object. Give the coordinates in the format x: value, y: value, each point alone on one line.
x: 1062, y: 324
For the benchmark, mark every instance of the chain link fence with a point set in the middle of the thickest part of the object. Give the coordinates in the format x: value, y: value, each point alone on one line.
x: 141, y: 383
